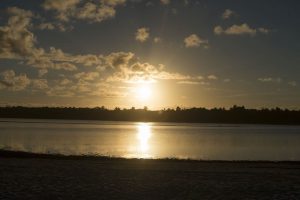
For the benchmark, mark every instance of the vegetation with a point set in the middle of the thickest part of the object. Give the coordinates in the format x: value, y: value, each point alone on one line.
x: 236, y: 114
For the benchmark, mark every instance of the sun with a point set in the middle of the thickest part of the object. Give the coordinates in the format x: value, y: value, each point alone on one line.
x: 143, y: 92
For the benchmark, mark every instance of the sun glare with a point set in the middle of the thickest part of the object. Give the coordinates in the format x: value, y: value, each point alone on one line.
x: 143, y: 92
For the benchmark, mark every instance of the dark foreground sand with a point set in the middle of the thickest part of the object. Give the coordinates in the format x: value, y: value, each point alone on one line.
x: 104, y: 178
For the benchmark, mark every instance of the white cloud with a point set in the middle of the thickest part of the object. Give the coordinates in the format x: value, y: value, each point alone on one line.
x: 15, y: 39
x: 227, y: 14
x: 270, y: 79
x: 157, y: 40
x: 142, y: 34
x: 87, y: 60
x: 11, y: 81
x: 194, y: 41
x: 264, y: 30
x: 212, y: 77
x: 243, y: 29
x: 126, y: 67
x: 18, y: 42
x: 60, y: 5
x: 65, y: 66
x: 83, y: 10
x: 200, y: 77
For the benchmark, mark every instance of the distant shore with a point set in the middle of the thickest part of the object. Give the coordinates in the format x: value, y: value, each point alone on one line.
x: 234, y: 115
x: 39, y: 176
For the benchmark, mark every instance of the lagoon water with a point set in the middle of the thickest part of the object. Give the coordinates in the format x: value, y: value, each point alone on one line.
x: 152, y: 140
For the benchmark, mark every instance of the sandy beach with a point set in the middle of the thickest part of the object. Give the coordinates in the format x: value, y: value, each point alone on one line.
x: 51, y: 177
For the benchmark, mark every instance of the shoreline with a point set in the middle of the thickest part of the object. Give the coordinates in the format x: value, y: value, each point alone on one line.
x: 24, y: 154
x: 144, y: 121
x: 154, y: 121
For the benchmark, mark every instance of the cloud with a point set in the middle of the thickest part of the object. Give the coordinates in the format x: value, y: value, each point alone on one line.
x: 193, y: 83
x: 59, y: 60
x: 263, y: 30
x: 212, y: 77
x: 126, y: 67
x: 83, y: 10
x: 11, y: 81
x: 118, y: 59
x: 92, y: 12
x: 142, y: 34
x: 134, y: 72
x: 270, y: 79
x: 15, y: 39
x: 87, y: 76
x: 65, y: 81
x: 200, y: 77
x: 292, y: 83
x: 165, y: 2
x: 54, y: 26
x: 189, y: 82
x: 87, y: 60
x: 40, y: 84
x: 85, y: 88
x: 65, y: 66
x: 113, y: 2
x: 46, y: 26
x: 157, y: 40
x: 194, y: 41
x: 163, y: 75
x: 42, y: 72
x: 198, y: 80
x: 107, y: 91
x: 18, y: 42
x: 227, y: 14
x: 243, y: 29
x: 60, y: 91
x: 60, y: 5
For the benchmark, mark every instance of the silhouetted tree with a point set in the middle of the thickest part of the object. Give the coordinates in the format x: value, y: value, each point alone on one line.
x: 235, y: 114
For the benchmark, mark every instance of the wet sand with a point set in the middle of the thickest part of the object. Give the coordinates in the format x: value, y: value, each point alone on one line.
x: 51, y: 177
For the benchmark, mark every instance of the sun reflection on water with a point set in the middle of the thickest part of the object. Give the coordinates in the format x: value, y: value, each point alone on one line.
x: 143, y: 135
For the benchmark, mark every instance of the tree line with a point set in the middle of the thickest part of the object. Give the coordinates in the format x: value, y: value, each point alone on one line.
x: 235, y: 114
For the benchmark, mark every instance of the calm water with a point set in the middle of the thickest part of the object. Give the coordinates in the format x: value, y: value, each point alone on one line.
x: 152, y: 140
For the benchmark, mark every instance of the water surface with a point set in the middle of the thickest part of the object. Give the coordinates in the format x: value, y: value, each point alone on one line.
x: 152, y: 140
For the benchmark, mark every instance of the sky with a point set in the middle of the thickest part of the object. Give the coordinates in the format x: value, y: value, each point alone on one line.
x: 159, y: 54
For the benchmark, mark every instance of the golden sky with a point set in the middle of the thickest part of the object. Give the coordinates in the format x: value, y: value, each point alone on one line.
x: 159, y: 54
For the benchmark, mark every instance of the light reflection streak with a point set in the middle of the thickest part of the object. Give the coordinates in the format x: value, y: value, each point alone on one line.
x: 143, y: 135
